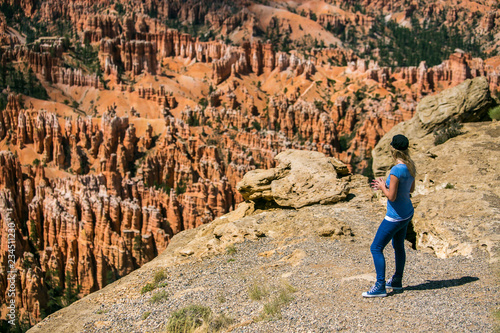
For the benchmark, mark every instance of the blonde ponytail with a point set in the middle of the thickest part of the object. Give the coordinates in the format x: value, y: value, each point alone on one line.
x: 404, y: 156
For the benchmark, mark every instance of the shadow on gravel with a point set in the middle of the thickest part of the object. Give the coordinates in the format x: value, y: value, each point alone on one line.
x: 439, y: 284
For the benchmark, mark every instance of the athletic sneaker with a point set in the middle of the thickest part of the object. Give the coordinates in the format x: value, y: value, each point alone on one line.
x: 394, y: 283
x: 378, y: 290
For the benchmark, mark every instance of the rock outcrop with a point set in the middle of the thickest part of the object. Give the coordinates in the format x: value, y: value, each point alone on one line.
x: 457, y: 193
x: 77, y: 233
x: 6, y: 38
x: 48, y: 64
x: 469, y: 101
x: 301, y: 178
x: 98, y: 227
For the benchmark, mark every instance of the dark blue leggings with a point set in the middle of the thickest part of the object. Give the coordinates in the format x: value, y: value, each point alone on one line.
x: 387, y: 231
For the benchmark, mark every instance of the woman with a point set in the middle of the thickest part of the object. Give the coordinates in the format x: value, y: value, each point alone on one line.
x: 397, y: 189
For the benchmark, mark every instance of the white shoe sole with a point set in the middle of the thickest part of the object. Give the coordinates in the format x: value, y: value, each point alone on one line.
x: 394, y: 288
x: 365, y: 294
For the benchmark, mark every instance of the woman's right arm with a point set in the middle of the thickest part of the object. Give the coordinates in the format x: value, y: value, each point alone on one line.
x: 391, y: 192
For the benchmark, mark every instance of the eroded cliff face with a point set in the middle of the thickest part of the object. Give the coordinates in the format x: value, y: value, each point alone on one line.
x: 89, y: 230
x: 349, y: 109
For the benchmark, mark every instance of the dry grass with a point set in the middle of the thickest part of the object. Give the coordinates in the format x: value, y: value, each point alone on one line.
x: 272, y: 309
x: 276, y: 298
x: 220, y: 322
x: 188, y: 319
x: 257, y: 291
x: 158, y: 282
x: 496, y: 315
x: 159, y: 297
x: 145, y: 315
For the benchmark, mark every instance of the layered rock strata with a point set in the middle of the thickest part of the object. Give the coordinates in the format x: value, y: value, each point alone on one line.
x: 50, y: 67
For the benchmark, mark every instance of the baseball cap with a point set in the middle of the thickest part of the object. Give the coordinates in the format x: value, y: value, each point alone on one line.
x: 400, y: 142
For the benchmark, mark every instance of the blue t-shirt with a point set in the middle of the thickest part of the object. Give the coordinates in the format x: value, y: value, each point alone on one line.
x: 401, y: 208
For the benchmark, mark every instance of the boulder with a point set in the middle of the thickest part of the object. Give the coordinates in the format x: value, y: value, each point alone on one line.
x: 467, y: 102
x: 301, y: 178
x: 457, y: 194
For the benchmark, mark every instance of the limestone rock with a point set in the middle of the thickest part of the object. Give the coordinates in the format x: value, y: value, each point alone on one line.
x: 457, y: 193
x: 301, y: 178
x: 256, y: 184
x: 468, y: 101
x: 334, y: 228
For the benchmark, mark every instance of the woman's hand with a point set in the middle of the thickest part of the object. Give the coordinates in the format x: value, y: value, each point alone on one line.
x: 378, y: 183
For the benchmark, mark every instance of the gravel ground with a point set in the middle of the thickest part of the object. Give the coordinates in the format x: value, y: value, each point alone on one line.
x: 440, y: 295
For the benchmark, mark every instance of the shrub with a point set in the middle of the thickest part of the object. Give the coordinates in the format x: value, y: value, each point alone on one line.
x: 494, y: 113
x: 160, y: 276
x: 257, y: 291
x: 449, y: 186
x: 256, y: 125
x: 272, y: 309
x: 231, y: 249
x: 148, y: 287
x: 318, y: 104
x: 220, y: 322
x: 157, y: 282
x: 187, y: 319
x: 146, y: 315
x: 203, y: 102
x: 159, y: 297
x: 180, y: 188
x: 451, y: 130
x: 162, y: 284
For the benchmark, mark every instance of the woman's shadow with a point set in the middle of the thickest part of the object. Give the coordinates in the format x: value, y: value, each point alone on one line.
x: 439, y: 284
